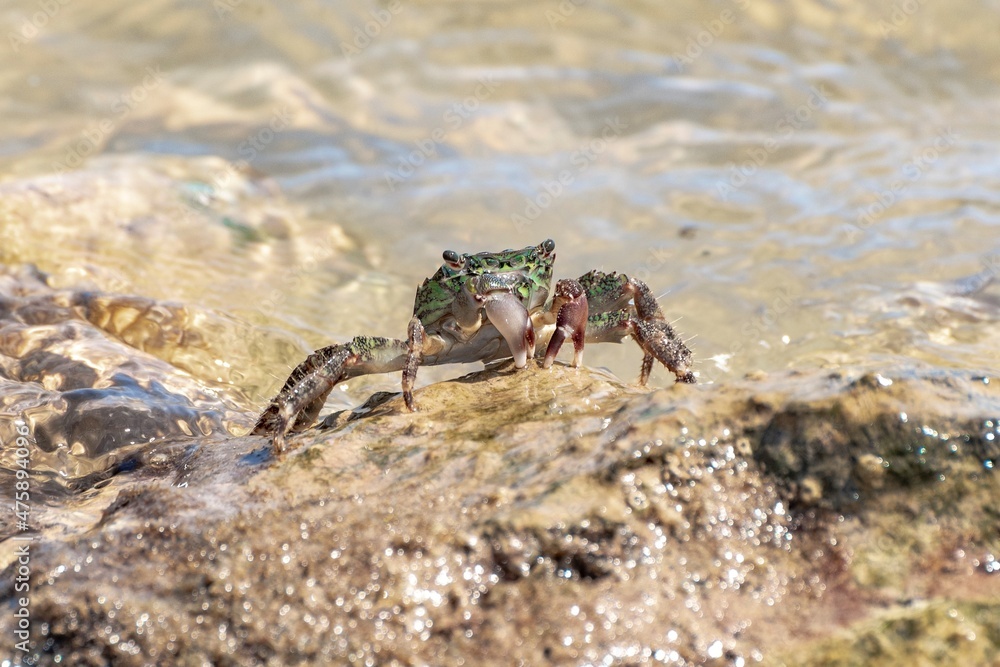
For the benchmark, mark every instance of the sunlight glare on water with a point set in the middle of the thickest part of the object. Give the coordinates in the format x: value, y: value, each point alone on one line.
x: 804, y: 184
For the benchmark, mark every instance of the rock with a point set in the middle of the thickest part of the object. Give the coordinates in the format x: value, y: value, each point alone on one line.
x: 546, y: 517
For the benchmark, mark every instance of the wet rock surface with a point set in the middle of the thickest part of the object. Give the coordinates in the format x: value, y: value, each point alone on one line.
x: 91, y: 372
x: 547, y: 517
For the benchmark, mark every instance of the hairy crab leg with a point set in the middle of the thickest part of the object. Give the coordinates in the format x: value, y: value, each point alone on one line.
x: 659, y: 340
x: 414, y: 357
x: 571, y: 309
x: 300, y: 400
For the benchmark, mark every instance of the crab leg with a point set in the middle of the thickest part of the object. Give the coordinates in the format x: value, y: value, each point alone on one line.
x: 302, y: 397
x: 659, y: 341
x: 414, y: 356
x: 612, y: 319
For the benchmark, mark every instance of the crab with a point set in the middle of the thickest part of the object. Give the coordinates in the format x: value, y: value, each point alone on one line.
x: 486, y: 307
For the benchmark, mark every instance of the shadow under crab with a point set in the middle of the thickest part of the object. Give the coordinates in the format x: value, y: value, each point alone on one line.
x: 485, y: 307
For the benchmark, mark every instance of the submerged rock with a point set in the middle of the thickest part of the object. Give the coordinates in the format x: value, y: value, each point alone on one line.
x: 546, y: 517
x: 194, y: 237
x: 90, y: 372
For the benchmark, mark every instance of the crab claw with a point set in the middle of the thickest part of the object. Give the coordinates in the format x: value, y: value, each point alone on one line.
x: 571, y: 308
x: 510, y: 317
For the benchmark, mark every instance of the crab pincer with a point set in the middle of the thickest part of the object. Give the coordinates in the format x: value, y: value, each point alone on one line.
x: 571, y: 308
x: 507, y: 313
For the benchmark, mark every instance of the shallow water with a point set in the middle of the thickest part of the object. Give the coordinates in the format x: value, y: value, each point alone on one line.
x: 807, y: 184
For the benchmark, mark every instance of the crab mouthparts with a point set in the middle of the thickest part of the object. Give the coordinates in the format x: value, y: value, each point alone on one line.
x: 510, y: 317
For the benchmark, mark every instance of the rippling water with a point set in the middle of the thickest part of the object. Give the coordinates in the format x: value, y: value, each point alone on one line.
x: 808, y: 184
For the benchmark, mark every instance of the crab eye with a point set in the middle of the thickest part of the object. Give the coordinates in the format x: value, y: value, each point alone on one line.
x: 453, y: 259
x: 548, y: 245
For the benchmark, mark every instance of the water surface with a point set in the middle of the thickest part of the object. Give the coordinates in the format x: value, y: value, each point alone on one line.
x: 806, y: 184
